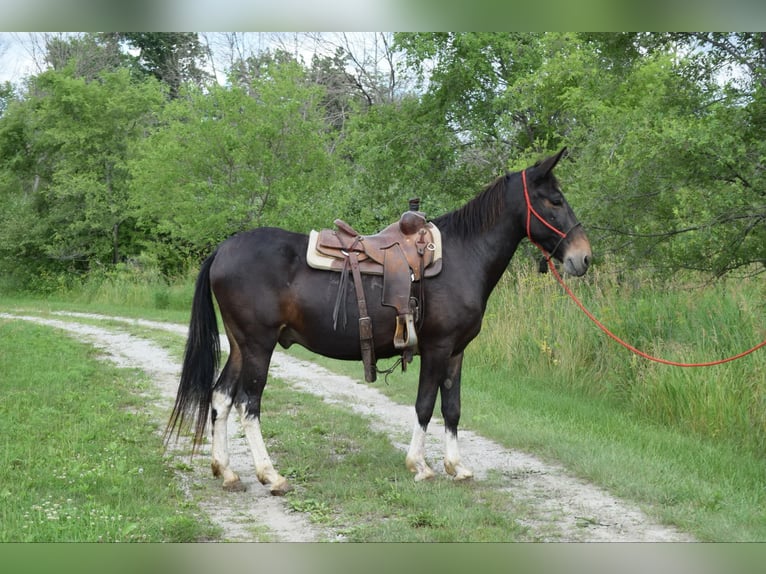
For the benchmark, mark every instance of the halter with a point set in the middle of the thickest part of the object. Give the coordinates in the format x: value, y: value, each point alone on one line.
x: 532, y: 211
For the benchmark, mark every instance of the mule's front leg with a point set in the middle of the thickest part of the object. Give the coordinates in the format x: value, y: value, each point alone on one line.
x: 432, y: 370
x: 452, y: 462
x: 221, y: 406
x: 450, y: 391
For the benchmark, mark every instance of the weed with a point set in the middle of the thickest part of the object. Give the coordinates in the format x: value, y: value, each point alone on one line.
x: 317, y: 509
x: 424, y: 519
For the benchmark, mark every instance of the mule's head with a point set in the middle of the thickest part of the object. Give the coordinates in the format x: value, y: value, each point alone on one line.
x: 550, y: 222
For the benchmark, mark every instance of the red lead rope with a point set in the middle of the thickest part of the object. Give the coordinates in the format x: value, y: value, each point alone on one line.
x: 531, y: 211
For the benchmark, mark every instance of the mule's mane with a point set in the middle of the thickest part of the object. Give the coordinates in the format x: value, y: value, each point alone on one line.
x: 479, y: 214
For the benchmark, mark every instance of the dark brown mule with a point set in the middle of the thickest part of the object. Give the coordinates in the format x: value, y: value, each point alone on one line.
x: 267, y: 294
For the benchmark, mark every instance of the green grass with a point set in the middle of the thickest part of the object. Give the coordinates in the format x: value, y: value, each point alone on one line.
x: 92, y: 470
x: 80, y: 462
x: 353, y: 480
x: 686, y: 444
x: 705, y: 487
x: 556, y: 343
x: 708, y: 487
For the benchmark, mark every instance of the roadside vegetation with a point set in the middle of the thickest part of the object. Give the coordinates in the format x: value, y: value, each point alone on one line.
x: 80, y: 459
x: 689, y: 445
x: 685, y: 444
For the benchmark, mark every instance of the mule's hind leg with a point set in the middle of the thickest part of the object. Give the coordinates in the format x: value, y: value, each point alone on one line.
x: 253, y: 381
x: 220, y: 464
x: 222, y: 400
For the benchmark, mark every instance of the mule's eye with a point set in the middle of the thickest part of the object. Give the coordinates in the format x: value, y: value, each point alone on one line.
x: 556, y: 201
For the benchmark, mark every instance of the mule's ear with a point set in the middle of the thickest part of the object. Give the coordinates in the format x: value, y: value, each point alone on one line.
x: 544, y: 168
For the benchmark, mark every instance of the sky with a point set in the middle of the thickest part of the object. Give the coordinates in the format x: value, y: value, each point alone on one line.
x: 18, y: 49
x: 15, y: 60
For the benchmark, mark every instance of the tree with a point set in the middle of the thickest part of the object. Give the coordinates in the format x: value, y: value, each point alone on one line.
x: 395, y: 152
x: 343, y: 94
x: 666, y: 148
x: 231, y: 158
x: 64, y: 152
x: 483, y: 84
x: 7, y: 94
x: 676, y: 149
x: 87, y: 55
x: 666, y: 132
x: 171, y: 57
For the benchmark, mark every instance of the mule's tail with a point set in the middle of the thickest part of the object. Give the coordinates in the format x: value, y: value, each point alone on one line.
x: 200, y: 363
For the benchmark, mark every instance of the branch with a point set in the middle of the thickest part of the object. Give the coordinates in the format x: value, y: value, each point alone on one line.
x: 757, y: 218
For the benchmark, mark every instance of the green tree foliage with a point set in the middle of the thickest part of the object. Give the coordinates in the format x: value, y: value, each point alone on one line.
x: 485, y: 86
x: 343, y: 94
x: 232, y: 158
x: 64, y: 156
x: 666, y: 134
x: 672, y: 151
x: 667, y: 148
x: 89, y: 54
x: 395, y: 152
x: 172, y: 57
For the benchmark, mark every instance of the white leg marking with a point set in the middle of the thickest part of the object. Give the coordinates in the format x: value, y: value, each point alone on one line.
x: 416, y: 456
x: 452, y: 463
x: 264, y: 469
x: 220, y: 464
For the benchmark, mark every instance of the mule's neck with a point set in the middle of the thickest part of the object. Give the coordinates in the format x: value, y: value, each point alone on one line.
x: 490, y: 246
x: 498, y: 245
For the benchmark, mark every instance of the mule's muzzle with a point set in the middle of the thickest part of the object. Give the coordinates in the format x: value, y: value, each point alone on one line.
x: 578, y: 257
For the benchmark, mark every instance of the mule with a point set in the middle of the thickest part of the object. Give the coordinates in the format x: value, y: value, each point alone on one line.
x: 268, y: 295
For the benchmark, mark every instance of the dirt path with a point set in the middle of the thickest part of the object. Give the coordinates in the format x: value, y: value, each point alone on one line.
x: 565, y: 508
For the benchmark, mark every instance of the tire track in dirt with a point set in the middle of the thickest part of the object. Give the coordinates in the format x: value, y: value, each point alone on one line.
x: 565, y: 508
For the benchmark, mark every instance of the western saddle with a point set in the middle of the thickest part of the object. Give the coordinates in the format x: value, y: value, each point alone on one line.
x: 406, y: 251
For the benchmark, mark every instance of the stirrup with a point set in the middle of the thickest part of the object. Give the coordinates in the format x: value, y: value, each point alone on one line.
x: 405, y: 335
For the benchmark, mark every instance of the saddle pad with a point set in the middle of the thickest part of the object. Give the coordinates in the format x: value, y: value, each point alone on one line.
x: 319, y: 260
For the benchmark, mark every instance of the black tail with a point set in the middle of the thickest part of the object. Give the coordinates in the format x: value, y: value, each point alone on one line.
x: 200, y: 363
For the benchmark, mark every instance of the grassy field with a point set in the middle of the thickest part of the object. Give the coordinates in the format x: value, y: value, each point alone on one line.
x: 76, y: 436
x: 83, y: 461
x: 686, y: 444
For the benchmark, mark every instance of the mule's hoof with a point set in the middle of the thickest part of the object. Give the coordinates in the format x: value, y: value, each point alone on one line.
x: 234, y: 486
x: 458, y: 471
x: 280, y: 487
x: 463, y: 473
x: 424, y: 473
x: 419, y: 468
x: 216, y: 468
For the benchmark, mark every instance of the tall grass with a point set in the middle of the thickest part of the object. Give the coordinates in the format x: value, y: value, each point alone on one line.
x: 135, y: 285
x: 533, y: 328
